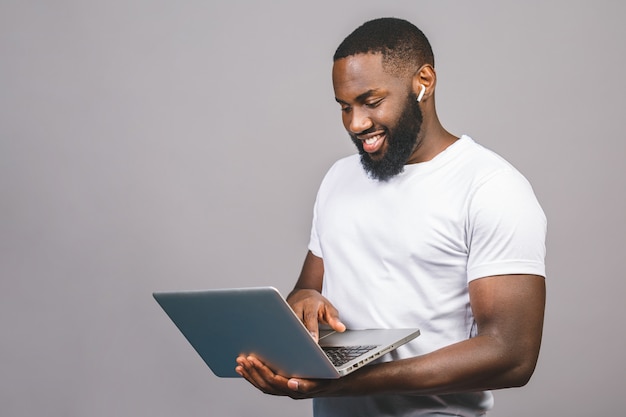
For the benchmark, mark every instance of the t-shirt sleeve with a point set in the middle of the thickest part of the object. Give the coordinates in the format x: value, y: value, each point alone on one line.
x: 314, y: 241
x: 315, y: 245
x: 506, y: 228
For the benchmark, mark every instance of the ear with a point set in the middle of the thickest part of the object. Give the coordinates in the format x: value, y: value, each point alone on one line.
x: 426, y: 77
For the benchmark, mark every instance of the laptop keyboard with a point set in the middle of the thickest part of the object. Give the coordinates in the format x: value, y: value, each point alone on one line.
x: 340, y: 355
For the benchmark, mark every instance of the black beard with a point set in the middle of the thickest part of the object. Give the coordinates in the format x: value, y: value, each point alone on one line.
x: 401, y: 139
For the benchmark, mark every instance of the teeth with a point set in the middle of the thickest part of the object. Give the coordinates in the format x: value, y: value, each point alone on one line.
x: 372, y: 140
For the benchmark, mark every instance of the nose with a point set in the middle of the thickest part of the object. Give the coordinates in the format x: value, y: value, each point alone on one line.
x: 358, y: 121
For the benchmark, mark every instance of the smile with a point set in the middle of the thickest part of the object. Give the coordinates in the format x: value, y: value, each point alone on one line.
x: 372, y: 144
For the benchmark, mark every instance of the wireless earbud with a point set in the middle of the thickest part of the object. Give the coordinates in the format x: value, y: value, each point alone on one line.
x: 421, y: 94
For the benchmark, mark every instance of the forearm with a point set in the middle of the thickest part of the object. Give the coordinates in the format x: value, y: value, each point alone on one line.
x: 480, y: 363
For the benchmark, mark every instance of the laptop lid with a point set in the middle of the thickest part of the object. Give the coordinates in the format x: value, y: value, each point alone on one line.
x: 221, y: 324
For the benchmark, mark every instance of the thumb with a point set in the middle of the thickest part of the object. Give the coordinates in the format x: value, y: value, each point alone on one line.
x: 332, y: 319
x: 336, y: 324
x: 293, y: 384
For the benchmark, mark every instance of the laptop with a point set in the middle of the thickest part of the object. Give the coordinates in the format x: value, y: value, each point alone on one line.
x: 221, y: 324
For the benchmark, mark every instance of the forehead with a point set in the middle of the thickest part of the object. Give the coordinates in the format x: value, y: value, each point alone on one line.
x: 358, y: 73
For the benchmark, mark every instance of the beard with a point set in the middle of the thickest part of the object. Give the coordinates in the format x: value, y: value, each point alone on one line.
x: 401, y: 141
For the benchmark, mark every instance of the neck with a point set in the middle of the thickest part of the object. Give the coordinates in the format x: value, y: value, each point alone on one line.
x: 432, y: 139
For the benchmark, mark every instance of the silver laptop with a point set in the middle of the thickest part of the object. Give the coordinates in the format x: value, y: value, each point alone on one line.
x: 224, y: 323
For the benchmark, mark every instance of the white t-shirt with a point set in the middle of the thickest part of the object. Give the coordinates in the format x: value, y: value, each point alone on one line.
x: 401, y: 254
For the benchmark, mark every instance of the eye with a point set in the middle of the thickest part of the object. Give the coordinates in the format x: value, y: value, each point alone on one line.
x: 346, y: 109
x: 374, y: 103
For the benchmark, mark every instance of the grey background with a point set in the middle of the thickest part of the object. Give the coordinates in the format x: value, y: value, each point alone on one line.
x: 152, y: 145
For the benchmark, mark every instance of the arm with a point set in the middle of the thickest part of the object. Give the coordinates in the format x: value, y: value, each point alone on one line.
x: 509, y: 313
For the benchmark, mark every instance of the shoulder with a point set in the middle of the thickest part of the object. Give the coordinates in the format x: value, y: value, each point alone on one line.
x: 482, y: 159
x: 484, y: 166
x: 495, y: 187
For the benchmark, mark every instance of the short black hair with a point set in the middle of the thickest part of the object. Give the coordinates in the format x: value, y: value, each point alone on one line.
x: 403, y: 46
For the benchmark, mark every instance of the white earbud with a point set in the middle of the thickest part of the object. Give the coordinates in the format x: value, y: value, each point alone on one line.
x: 421, y: 94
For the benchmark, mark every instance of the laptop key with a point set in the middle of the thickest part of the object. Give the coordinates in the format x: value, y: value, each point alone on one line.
x: 340, y: 355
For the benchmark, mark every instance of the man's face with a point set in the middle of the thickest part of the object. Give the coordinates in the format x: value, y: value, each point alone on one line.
x: 379, y: 111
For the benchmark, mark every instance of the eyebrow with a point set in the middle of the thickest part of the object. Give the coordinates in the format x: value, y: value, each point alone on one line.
x: 361, y: 97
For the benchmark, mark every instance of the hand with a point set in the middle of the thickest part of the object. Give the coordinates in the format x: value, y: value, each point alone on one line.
x: 263, y: 378
x: 313, y: 308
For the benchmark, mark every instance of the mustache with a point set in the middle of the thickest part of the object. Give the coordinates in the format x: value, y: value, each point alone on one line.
x: 364, y: 132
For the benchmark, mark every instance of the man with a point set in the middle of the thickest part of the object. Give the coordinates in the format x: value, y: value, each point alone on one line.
x: 421, y: 229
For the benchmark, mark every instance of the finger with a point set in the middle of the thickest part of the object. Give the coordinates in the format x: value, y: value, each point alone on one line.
x: 242, y: 369
x: 264, y: 378
x: 331, y: 317
x: 309, y: 318
x: 239, y: 368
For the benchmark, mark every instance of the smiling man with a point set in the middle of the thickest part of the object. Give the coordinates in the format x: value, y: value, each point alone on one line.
x: 421, y: 229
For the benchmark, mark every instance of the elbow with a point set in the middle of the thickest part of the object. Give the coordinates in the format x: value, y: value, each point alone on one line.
x: 516, y: 366
x: 520, y: 361
x: 520, y: 374
x: 520, y: 379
